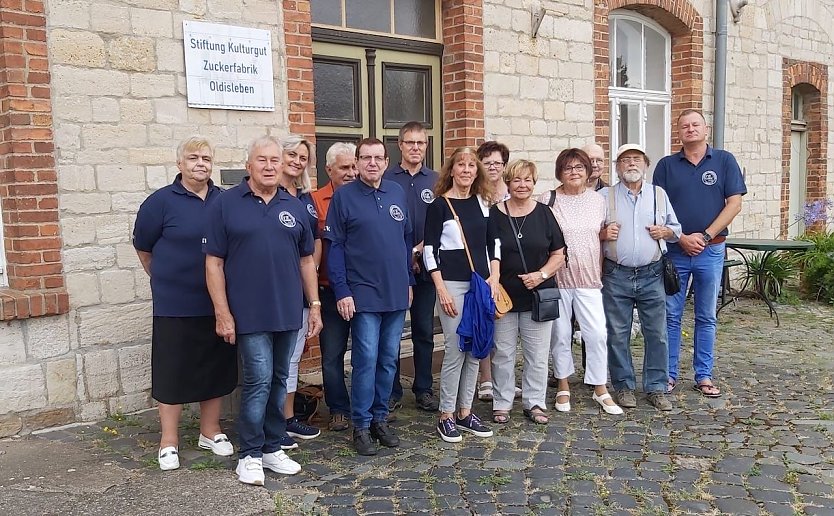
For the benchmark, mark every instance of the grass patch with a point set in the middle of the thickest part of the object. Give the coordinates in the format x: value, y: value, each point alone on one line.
x: 207, y: 464
x: 754, y: 471
x: 825, y: 416
x: 150, y: 462
x: 580, y: 475
x: 346, y: 452
x: 496, y: 479
x: 791, y: 478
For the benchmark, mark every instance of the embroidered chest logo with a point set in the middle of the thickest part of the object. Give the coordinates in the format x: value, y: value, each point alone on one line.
x: 427, y: 196
x: 709, y: 178
x: 286, y: 219
x: 396, y: 213
x: 312, y: 211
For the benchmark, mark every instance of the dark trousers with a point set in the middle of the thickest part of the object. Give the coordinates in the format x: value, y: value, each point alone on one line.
x: 422, y: 338
x: 333, y: 341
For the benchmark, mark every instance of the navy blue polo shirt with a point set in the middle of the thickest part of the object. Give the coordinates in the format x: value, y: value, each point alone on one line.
x: 698, y: 192
x: 370, y: 252
x: 419, y: 191
x: 169, y: 225
x: 306, y: 199
x: 261, y: 245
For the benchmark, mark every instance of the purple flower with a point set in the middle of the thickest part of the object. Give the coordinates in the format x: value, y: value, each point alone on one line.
x: 815, y: 211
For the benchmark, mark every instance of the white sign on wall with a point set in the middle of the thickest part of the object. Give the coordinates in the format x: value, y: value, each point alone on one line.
x: 228, y: 67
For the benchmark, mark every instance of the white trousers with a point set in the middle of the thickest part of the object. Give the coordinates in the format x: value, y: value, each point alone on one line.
x: 292, y: 377
x: 586, y: 303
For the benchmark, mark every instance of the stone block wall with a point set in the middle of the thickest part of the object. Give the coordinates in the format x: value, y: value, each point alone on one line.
x: 118, y: 111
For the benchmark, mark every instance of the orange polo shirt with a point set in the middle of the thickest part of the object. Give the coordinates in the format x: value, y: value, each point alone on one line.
x: 321, y: 199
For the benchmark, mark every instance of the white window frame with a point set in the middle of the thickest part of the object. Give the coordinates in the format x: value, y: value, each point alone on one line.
x: 642, y: 97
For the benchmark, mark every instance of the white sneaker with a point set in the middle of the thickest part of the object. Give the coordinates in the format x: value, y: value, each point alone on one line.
x: 280, y: 462
x: 220, y: 445
x: 168, y: 458
x: 250, y: 470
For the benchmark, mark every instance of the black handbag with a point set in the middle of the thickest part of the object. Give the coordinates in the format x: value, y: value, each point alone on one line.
x: 545, y: 300
x: 671, y: 280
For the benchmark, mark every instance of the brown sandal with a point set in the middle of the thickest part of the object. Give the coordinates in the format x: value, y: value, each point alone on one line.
x: 502, y: 417
x: 536, y: 415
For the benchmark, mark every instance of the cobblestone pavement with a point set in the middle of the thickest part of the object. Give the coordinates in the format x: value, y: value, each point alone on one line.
x: 765, y: 447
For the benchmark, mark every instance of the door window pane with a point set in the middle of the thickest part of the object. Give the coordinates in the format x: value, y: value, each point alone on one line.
x: 336, y: 91
x: 406, y: 94
x: 327, y: 12
x: 628, y: 64
x: 372, y: 15
x: 655, y: 60
x: 415, y: 18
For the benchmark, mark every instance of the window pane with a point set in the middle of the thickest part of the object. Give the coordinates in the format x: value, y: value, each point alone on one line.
x: 629, y: 131
x: 655, y: 60
x: 656, y: 125
x: 628, y: 65
x: 372, y: 15
x: 415, y: 18
x: 405, y: 95
x: 335, y: 91
x: 328, y: 12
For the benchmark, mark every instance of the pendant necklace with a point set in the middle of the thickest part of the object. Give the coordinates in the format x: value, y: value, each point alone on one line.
x: 520, y: 234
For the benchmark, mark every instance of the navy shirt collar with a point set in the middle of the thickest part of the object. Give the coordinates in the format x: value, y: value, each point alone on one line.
x: 178, y: 187
x: 424, y: 170
x: 367, y: 189
x: 708, y: 154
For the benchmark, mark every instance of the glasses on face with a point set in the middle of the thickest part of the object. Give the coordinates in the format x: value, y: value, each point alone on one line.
x: 597, y: 161
x: 368, y: 159
x: 631, y: 160
x: 414, y: 143
x: 493, y: 164
x: 576, y: 168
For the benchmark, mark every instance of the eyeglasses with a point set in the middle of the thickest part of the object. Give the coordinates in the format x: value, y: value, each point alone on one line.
x: 630, y: 160
x: 576, y: 168
x: 368, y: 159
x: 493, y: 164
x: 414, y: 143
x: 595, y: 161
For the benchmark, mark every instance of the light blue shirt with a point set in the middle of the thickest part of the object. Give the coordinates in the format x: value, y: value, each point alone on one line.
x: 634, y: 246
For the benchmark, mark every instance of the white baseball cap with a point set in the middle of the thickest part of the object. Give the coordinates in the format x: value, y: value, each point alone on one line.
x: 628, y: 147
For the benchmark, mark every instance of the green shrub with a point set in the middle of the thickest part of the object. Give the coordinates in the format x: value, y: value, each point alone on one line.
x: 768, y: 275
x: 818, y: 265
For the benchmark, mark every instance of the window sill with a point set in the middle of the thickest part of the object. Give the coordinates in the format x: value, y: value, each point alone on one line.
x: 18, y: 304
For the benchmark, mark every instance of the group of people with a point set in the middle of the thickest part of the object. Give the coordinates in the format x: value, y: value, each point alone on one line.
x: 261, y: 268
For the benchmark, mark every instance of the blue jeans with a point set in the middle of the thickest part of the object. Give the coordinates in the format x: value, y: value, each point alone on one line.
x: 266, y: 362
x: 333, y: 341
x: 705, y: 269
x: 623, y: 288
x: 422, y: 338
x: 374, y: 355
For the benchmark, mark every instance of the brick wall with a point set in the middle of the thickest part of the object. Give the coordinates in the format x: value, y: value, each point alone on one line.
x: 462, y: 73
x: 812, y: 81
x: 28, y: 183
x: 686, y: 27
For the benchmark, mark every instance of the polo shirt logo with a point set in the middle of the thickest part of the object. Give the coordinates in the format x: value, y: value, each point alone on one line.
x: 427, y: 196
x: 396, y: 213
x: 312, y: 211
x: 709, y: 178
x: 286, y: 219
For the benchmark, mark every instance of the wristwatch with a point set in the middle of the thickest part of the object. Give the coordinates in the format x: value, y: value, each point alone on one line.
x: 707, y: 237
x: 315, y: 302
x: 544, y: 275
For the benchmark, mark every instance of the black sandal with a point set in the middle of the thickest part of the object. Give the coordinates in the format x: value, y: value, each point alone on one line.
x: 537, y: 415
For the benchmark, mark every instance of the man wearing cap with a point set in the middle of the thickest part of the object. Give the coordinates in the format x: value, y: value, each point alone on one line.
x: 639, y: 222
x: 705, y: 186
x: 369, y: 265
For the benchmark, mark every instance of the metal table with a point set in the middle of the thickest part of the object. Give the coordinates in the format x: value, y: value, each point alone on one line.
x: 768, y: 247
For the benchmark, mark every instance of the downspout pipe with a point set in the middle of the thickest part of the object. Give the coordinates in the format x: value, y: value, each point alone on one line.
x: 720, y: 80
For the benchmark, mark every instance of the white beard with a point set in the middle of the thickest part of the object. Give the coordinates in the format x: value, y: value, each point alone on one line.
x: 632, y: 176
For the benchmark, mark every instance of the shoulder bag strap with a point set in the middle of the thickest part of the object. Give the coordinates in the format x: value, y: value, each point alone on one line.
x: 552, y: 200
x: 654, y: 217
x: 462, y: 236
x: 515, y: 235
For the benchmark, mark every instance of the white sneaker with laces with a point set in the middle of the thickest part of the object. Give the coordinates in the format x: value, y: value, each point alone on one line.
x: 280, y: 462
x: 168, y: 458
x: 250, y: 470
x: 220, y: 445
